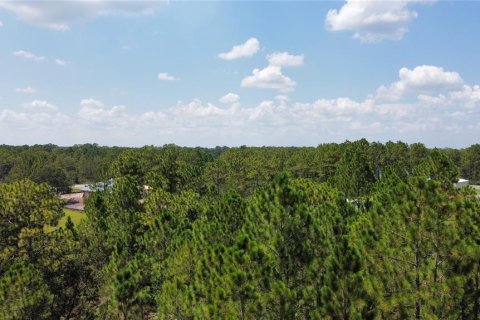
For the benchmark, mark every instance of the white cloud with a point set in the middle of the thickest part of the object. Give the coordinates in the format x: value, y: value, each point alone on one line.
x: 230, y: 98
x: 196, y: 109
x: 28, y: 55
x: 440, y: 120
x: 48, y: 127
x: 60, y: 62
x: 29, y: 121
x: 166, y: 77
x: 270, y: 77
x: 1, y: 23
x: 28, y: 90
x: 60, y: 15
x: 421, y: 80
x: 446, y: 116
x: 429, y: 76
x: 469, y: 96
x: 152, y: 117
x: 40, y: 105
x: 95, y: 111
x: 373, y: 21
x: 247, y: 49
x: 282, y: 98
x: 92, y: 103
x: 284, y: 59
x: 341, y: 106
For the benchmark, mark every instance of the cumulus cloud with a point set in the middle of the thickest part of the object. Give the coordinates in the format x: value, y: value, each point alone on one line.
x: 272, y: 77
x: 421, y: 80
x: 96, y: 112
x: 373, y: 21
x: 284, y: 59
x: 30, y: 120
x: 247, y: 49
x: 60, y: 15
x: 164, y: 76
x: 28, y: 90
x: 230, y: 98
x: 152, y: 117
x: 196, y: 109
x: 60, y: 62
x: 271, y: 113
x: 430, y: 100
x: 468, y: 96
x: 49, y: 127
x: 40, y: 105
x: 447, y: 115
x: 28, y: 55
x: 92, y: 103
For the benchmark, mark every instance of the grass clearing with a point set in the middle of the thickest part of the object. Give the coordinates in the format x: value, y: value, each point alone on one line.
x: 76, y: 217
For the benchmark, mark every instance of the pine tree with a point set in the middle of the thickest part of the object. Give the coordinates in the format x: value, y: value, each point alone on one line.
x: 24, y: 294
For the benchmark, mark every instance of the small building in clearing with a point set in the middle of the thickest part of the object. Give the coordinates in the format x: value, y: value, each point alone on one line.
x: 462, y: 183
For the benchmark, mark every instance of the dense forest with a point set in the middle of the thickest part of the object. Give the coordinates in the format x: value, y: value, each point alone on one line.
x: 357, y: 230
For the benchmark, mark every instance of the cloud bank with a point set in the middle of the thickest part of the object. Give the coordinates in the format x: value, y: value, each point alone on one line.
x: 424, y: 99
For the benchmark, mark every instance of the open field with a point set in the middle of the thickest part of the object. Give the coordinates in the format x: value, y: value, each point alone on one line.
x: 76, y: 217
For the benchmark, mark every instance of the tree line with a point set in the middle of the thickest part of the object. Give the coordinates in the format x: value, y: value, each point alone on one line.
x: 243, y: 169
x: 356, y: 230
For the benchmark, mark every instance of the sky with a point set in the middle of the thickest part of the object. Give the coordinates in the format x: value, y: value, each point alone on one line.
x: 278, y: 73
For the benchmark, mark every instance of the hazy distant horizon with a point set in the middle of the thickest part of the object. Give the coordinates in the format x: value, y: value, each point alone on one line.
x: 234, y: 146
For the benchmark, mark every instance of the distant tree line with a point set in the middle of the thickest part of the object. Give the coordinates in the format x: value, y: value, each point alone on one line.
x: 58, y: 166
x: 356, y: 230
x: 218, y: 169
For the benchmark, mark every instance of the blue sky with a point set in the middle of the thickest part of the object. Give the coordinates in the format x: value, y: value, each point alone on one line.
x: 234, y: 73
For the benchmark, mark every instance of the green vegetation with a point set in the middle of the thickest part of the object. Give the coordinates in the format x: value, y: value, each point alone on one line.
x: 219, y: 169
x: 58, y: 166
x: 74, y: 215
x: 356, y: 230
